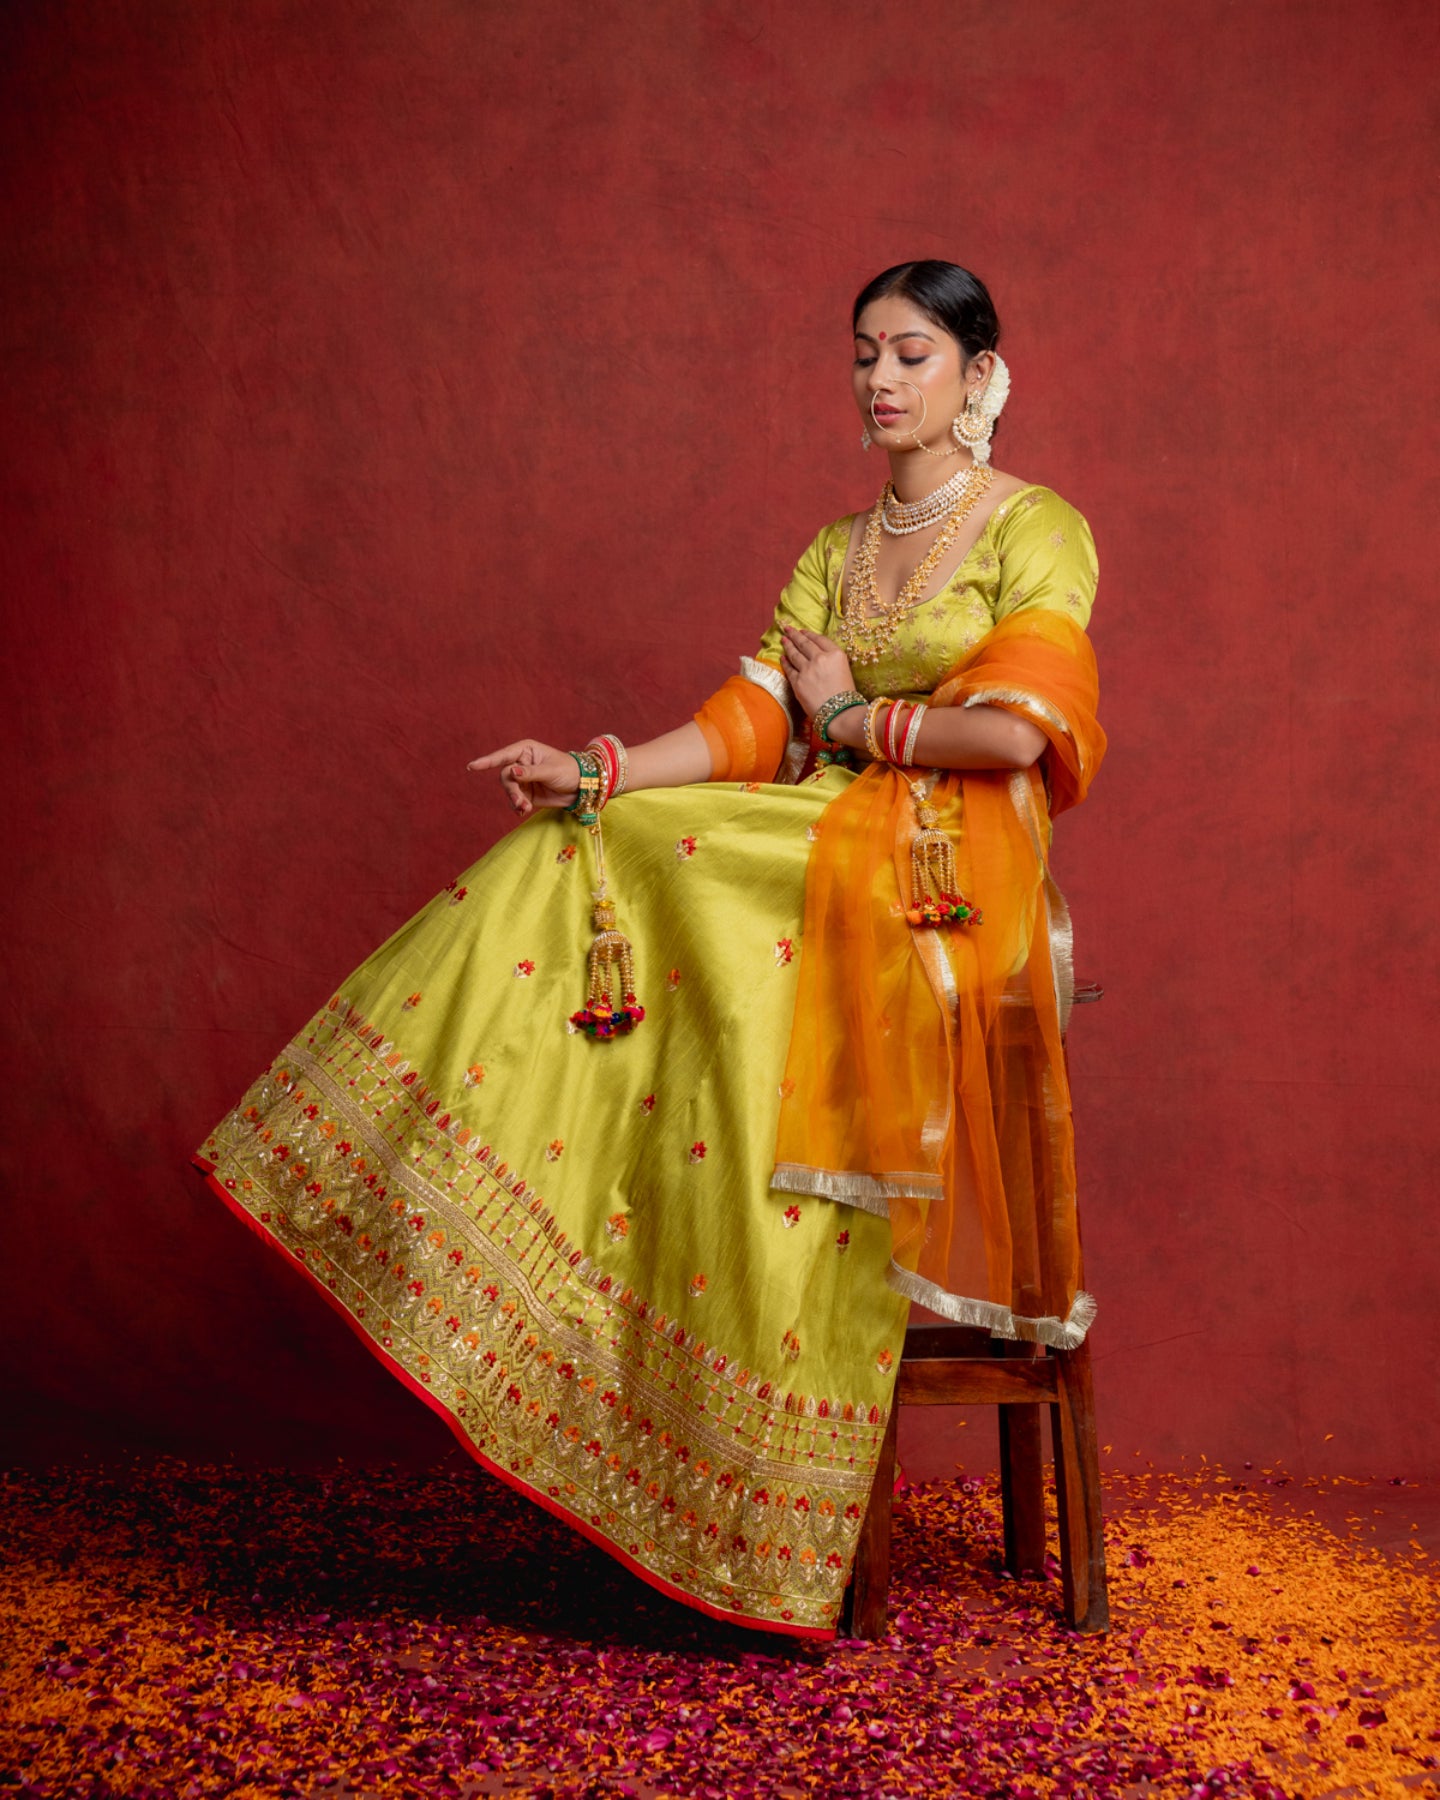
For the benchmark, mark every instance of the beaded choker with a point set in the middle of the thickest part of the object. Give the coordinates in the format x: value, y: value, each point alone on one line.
x: 901, y: 517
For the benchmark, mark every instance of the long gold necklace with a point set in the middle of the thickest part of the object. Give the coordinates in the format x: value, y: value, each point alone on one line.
x: 867, y: 624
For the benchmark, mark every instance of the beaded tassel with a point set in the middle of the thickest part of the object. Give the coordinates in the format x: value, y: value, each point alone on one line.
x: 935, y: 897
x: 611, y: 956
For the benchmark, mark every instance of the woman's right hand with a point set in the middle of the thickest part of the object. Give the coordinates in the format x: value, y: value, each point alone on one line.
x: 533, y: 774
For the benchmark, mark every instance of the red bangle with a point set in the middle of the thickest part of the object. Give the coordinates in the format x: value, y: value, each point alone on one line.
x: 892, y: 735
x: 609, y: 763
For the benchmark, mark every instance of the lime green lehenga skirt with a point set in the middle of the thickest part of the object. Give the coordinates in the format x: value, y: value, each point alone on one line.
x: 571, y: 1249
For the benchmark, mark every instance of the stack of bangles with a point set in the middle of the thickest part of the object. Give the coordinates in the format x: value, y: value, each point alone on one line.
x: 604, y: 768
x: 892, y: 727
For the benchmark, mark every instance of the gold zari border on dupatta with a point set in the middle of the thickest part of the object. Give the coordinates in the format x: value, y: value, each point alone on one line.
x: 1000, y: 1321
x: 871, y: 1193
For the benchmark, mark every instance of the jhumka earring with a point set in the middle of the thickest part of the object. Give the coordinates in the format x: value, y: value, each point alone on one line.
x: 865, y: 439
x: 971, y: 429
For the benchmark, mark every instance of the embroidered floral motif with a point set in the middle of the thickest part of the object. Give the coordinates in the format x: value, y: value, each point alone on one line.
x: 1073, y: 600
x: 523, y: 968
x: 784, y: 953
x: 985, y: 561
x: 790, y: 1344
x: 698, y: 1285
x: 812, y: 831
x: 749, y: 787
x: 686, y: 848
x: 1057, y: 538
x: 697, y: 1151
x: 474, y: 1075
x: 672, y: 981
x: 565, y: 854
x: 617, y: 1227
x: 884, y: 1361
x: 1031, y: 499
x: 555, y: 1149
x: 792, y: 1217
x: 647, y: 1105
x: 458, y: 895
x: 410, y: 1004
x: 842, y: 1242
x: 787, y: 1087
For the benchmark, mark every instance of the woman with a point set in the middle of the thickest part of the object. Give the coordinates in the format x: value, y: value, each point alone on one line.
x: 648, y: 1245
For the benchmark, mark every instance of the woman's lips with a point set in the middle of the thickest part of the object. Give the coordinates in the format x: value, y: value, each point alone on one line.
x: 884, y: 414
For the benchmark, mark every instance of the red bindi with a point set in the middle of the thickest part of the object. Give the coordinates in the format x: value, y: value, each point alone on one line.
x: 882, y: 337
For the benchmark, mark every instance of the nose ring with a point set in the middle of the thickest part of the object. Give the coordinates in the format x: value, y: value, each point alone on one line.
x: 924, y: 409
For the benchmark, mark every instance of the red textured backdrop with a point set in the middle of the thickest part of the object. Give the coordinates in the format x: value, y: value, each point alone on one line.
x: 385, y: 380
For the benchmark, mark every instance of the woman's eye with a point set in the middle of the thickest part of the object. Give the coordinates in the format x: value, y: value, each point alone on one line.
x: 863, y: 362
x: 913, y: 361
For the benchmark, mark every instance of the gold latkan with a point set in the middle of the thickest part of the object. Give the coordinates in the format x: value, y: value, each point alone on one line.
x: 611, y: 954
x: 935, y: 897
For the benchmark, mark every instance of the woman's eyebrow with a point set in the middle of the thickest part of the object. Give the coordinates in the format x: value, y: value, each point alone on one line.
x: 898, y: 336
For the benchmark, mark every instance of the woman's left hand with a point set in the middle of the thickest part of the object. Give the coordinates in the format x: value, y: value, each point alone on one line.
x: 815, y: 666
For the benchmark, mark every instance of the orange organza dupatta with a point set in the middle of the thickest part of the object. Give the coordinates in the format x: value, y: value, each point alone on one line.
x: 925, y: 1077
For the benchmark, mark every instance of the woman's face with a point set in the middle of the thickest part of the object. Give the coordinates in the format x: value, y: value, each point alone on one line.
x: 902, y: 356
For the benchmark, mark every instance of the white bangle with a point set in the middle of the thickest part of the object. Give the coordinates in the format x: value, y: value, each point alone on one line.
x: 912, y: 731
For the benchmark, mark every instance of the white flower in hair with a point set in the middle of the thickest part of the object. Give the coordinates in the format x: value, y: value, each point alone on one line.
x: 997, y: 391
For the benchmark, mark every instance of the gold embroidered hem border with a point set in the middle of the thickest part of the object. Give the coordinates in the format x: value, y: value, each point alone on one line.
x: 704, y: 1477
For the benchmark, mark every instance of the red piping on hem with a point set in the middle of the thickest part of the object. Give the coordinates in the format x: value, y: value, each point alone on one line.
x: 508, y: 1476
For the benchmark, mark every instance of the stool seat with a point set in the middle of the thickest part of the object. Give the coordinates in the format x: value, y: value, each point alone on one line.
x: 963, y: 1365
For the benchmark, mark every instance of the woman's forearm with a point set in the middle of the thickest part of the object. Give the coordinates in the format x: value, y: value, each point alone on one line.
x: 958, y: 737
x: 680, y: 756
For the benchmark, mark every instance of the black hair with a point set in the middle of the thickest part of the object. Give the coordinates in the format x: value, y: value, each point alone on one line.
x: 948, y: 295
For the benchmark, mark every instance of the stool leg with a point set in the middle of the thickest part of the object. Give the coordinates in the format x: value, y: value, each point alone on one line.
x: 1022, y: 1489
x: 870, y: 1581
x: 1077, y: 1493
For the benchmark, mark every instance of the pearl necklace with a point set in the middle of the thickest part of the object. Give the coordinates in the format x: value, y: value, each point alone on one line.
x: 900, y: 517
x: 866, y: 624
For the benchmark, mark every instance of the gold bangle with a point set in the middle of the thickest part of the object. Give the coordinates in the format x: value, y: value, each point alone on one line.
x: 872, y: 747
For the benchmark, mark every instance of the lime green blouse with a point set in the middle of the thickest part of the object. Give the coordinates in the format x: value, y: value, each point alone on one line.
x: 1034, y: 551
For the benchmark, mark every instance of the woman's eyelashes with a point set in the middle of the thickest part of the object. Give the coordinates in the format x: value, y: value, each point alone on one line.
x: 910, y: 362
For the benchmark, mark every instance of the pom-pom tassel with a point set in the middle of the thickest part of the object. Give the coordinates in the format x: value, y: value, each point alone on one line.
x: 612, y: 965
x: 612, y: 971
x: 935, y: 897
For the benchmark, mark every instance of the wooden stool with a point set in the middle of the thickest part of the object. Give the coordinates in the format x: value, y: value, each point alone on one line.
x: 962, y: 1365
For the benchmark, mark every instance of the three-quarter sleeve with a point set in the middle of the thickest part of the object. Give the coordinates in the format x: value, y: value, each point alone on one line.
x: 1047, y: 559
